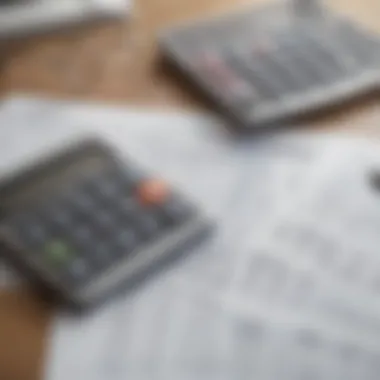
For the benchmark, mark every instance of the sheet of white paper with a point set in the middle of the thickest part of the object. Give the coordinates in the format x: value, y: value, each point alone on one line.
x: 331, y: 236
x: 182, y: 324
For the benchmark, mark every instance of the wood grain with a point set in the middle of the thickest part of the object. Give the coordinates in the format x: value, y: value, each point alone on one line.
x: 118, y: 63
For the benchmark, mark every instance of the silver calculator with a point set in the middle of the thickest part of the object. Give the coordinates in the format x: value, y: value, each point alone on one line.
x: 279, y: 62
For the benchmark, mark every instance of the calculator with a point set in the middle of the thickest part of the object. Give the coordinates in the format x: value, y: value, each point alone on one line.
x: 275, y: 63
x: 84, y: 222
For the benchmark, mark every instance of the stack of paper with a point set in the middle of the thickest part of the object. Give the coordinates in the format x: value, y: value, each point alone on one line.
x: 245, y: 306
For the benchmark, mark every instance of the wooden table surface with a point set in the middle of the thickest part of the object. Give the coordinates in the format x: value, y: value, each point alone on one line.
x: 117, y: 63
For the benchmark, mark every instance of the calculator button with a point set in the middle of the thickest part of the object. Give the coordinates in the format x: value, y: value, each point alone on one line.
x: 223, y: 76
x: 78, y: 269
x: 153, y: 192
x: 128, y: 209
x: 83, y: 234
x: 105, y: 219
x: 60, y: 217
x: 126, y: 241
x: 31, y: 233
x: 212, y: 65
x: 21, y: 222
x: 101, y: 253
x: 58, y: 252
x: 108, y: 188
x: 83, y: 201
x: 37, y: 232
x: 255, y: 73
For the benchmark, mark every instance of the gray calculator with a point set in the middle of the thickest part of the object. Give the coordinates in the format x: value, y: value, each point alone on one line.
x: 274, y: 63
x: 84, y: 222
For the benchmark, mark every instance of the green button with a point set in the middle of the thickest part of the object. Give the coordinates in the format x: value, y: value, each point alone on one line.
x: 58, y: 251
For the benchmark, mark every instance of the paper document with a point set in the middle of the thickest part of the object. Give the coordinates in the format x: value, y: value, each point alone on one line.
x: 200, y: 319
x: 330, y: 235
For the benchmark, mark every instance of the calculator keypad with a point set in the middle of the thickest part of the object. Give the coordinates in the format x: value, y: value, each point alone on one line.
x: 100, y: 220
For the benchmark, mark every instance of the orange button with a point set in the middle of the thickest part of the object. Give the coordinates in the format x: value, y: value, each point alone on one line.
x: 153, y: 191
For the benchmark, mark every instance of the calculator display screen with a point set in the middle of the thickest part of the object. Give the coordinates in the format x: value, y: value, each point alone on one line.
x: 54, y: 179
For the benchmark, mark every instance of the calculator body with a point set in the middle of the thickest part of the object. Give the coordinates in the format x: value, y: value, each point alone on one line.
x: 72, y: 222
x: 278, y: 62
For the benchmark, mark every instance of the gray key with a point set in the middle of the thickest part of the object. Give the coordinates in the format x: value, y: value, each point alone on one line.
x: 324, y: 52
x: 279, y: 71
x: 100, y: 253
x: 128, y: 208
x: 83, y: 202
x: 108, y: 189
x: 83, y: 234
x: 36, y: 233
x: 304, y: 58
x: 126, y: 240
x: 61, y: 217
x: 283, y: 50
x: 105, y: 219
x: 256, y: 72
x: 78, y: 270
x: 283, y: 62
x: 223, y: 78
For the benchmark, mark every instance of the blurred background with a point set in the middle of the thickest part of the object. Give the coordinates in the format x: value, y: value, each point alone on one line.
x: 115, y: 60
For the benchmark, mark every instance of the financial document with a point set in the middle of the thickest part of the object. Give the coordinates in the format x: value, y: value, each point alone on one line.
x: 199, y: 319
x: 331, y: 235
